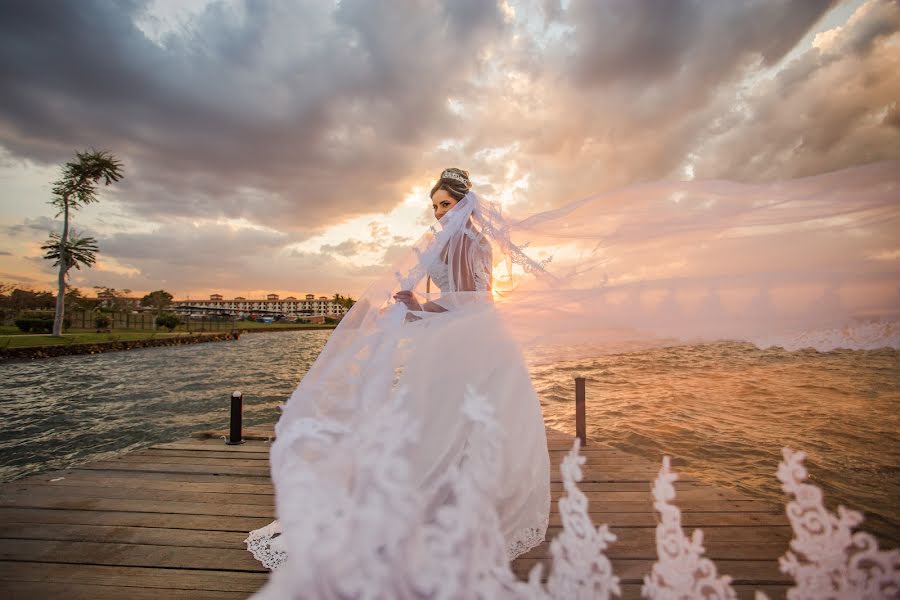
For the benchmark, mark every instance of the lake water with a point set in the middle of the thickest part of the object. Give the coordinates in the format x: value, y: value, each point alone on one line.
x: 726, y: 408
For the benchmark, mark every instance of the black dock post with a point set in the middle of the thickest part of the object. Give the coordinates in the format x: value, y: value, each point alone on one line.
x: 235, y: 435
x: 580, y: 425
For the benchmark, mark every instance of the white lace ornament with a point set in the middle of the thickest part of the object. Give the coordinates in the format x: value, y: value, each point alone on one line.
x: 681, y: 571
x: 267, y: 546
x: 580, y: 568
x: 827, y: 559
x: 382, y: 540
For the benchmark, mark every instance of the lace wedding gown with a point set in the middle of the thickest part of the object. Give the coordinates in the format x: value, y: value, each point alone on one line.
x: 457, y: 344
x: 411, y: 462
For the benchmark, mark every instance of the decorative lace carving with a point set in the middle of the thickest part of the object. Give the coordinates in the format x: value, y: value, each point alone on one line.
x: 681, y: 571
x: 526, y: 539
x: 267, y: 546
x: 828, y: 560
x: 514, y: 252
x: 440, y: 275
x: 580, y: 568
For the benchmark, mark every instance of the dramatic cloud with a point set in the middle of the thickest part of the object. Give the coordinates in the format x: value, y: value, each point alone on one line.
x: 834, y: 106
x: 40, y: 225
x: 295, y: 113
x: 270, y: 141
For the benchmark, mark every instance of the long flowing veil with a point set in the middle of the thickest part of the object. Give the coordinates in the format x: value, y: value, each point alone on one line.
x: 812, y: 262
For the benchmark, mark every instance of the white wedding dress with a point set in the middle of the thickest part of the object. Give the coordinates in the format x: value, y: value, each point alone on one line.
x: 411, y: 460
x: 433, y: 357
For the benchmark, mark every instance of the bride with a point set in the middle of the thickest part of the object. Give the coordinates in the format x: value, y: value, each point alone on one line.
x: 411, y: 460
x: 430, y: 349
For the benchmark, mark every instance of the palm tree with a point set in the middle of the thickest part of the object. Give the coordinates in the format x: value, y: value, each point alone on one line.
x: 77, y: 188
x: 78, y: 250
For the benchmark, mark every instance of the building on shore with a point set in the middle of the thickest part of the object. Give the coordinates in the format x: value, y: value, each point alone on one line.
x: 108, y: 300
x: 310, y: 306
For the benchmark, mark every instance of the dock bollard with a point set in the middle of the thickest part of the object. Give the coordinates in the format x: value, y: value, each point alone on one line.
x: 235, y: 436
x: 579, y: 411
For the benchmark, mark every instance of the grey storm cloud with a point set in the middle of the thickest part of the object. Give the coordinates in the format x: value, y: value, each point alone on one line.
x: 380, y: 240
x: 833, y: 107
x: 33, y: 225
x: 205, y: 245
x: 293, y: 113
x: 694, y: 42
x: 637, y: 91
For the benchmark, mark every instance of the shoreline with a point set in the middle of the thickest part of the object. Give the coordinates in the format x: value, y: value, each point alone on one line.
x: 282, y: 329
x: 29, y: 353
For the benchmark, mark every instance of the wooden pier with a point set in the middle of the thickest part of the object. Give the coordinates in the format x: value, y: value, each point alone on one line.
x: 169, y: 522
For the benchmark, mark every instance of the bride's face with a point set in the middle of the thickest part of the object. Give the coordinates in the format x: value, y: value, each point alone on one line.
x: 441, y: 202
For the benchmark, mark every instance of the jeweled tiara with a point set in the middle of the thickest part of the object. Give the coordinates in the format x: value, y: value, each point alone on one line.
x: 448, y: 174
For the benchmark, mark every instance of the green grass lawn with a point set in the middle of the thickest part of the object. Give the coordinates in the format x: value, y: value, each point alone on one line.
x: 30, y: 341
x: 13, y: 337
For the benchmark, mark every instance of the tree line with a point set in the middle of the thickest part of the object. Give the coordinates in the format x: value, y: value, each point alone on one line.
x: 78, y: 187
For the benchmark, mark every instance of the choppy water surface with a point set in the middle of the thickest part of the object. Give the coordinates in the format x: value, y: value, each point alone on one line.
x: 730, y: 408
x: 60, y: 411
x: 727, y: 408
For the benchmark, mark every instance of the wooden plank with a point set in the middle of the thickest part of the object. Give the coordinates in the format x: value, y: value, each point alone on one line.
x: 129, y: 555
x: 780, y: 534
x: 238, y: 484
x: 116, y: 504
x: 262, y: 494
x: 686, y: 506
x: 632, y: 591
x: 257, y: 433
x: 634, y: 486
x: 135, y: 577
x: 152, y: 484
x: 153, y: 536
x: 704, y: 493
x: 218, y: 445
x: 22, y: 493
x: 646, y: 549
x: 115, y: 465
x: 154, y: 451
x: 139, y: 458
x: 84, y: 473
x: 749, y: 572
x: 591, y: 474
x: 688, y: 520
x: 16, y: 590
x: 258, y: 505
x: 132, y: 519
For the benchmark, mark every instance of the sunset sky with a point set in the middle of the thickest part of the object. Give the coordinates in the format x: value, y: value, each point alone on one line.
x: 289, y: 147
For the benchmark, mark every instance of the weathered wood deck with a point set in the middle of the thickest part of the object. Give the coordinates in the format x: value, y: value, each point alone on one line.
x: 169, y: 522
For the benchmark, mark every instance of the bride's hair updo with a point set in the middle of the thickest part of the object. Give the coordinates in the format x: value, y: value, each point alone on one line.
x: 455, y: 182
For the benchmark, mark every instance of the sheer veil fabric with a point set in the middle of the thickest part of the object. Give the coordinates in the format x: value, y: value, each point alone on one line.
x: 812, y: 262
